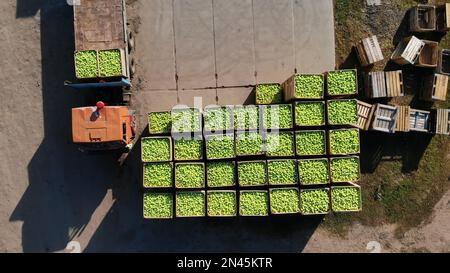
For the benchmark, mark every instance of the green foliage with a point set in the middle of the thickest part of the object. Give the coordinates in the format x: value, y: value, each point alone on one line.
x: 222, y: 203
x: 254, y: 203
x: 218, y: 119
x: 190, y: 204
x: 282, y: 172
x: 316, y: 201
x: 156, y: 149
x: 252, y: 173
x: 110, y: 63
x: 342, y: 82
x: 249, y: 143
x: 346, y: 199
x: 158, y: 175
x: 246, y: 117
x: 344, y: 141
x: 309, y: 114
x: 220, y: 174
x: 309, y: 86
x: 189, y: 148
x: 284, y: 201
x: 342, y: 112
x: 280, y: 144
x: 310, y: 143
x: 86, y: 64
x: 220, y: 146
x: 160, y: 122
x: 189, y: 175
x: 277, y: 116
x: 158, y: 205
x: 268, y: 94
x: 345, y: 169
x: 313, y: 171
x: 186, y: 120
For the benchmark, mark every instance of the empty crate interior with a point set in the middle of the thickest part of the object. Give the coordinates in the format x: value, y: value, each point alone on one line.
x: 425, y: 17
x: 445, y: 61
x: 429, y: 54
x: 419, y: 120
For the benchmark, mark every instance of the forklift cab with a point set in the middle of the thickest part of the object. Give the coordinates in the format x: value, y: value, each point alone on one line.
x: 103, y: 127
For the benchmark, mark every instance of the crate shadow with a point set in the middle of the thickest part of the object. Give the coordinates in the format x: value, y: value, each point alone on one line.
x: 408, y: 148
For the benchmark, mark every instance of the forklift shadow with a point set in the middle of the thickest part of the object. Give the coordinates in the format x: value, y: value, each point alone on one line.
x: 65, y: 186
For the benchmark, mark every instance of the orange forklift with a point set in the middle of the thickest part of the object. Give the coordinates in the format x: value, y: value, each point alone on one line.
x: 103, y: 127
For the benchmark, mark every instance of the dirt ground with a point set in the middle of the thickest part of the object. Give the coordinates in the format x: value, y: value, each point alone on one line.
x: 51, y: 194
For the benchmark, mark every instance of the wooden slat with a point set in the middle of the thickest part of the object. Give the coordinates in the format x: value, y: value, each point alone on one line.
x: 394, y: 83
x: 442, y: 121
x: 440, y: 87
x: 402, y: 119
x: 365, y: 113
x: 289, y: 88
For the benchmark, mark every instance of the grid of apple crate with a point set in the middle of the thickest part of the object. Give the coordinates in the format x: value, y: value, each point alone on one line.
x: 343, y: 120
x: 174, y: 180
x: 267, y: 171
x: 312, y: 134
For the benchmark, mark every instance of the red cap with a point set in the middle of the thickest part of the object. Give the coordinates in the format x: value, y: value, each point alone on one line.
x: 100, y: 105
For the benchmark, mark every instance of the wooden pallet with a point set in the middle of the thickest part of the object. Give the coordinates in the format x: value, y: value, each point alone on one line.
x: 435, y: 88
x: 419, y: 120
x: 442, y: 122
x: 422, y: 18
x: 408, y: 50
x: 394, y: 83
x: 365, y: 114
x: 385, y: 118
x: 376, y: 84
x: 369, y: 51
x: 403, y: 122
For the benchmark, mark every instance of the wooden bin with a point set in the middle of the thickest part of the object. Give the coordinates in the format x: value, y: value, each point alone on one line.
x: 435, y: 88
x: 443, y: 17
x: 422, y: 18
x: 369, y: 51
x: 419, y: 120
x: 381, y: 84
x: 376, y: 84
x: 288, y: 88
x: 403, y: 119
x: 444, y: 61
x: 441, y: 121
x: 429, y: 55
x: 365, y: 114
x: 385, y: 118
x: 394, y: 83
x: 408, y: 51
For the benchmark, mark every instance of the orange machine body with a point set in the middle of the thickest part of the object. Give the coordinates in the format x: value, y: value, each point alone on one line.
x: 106, y: 128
